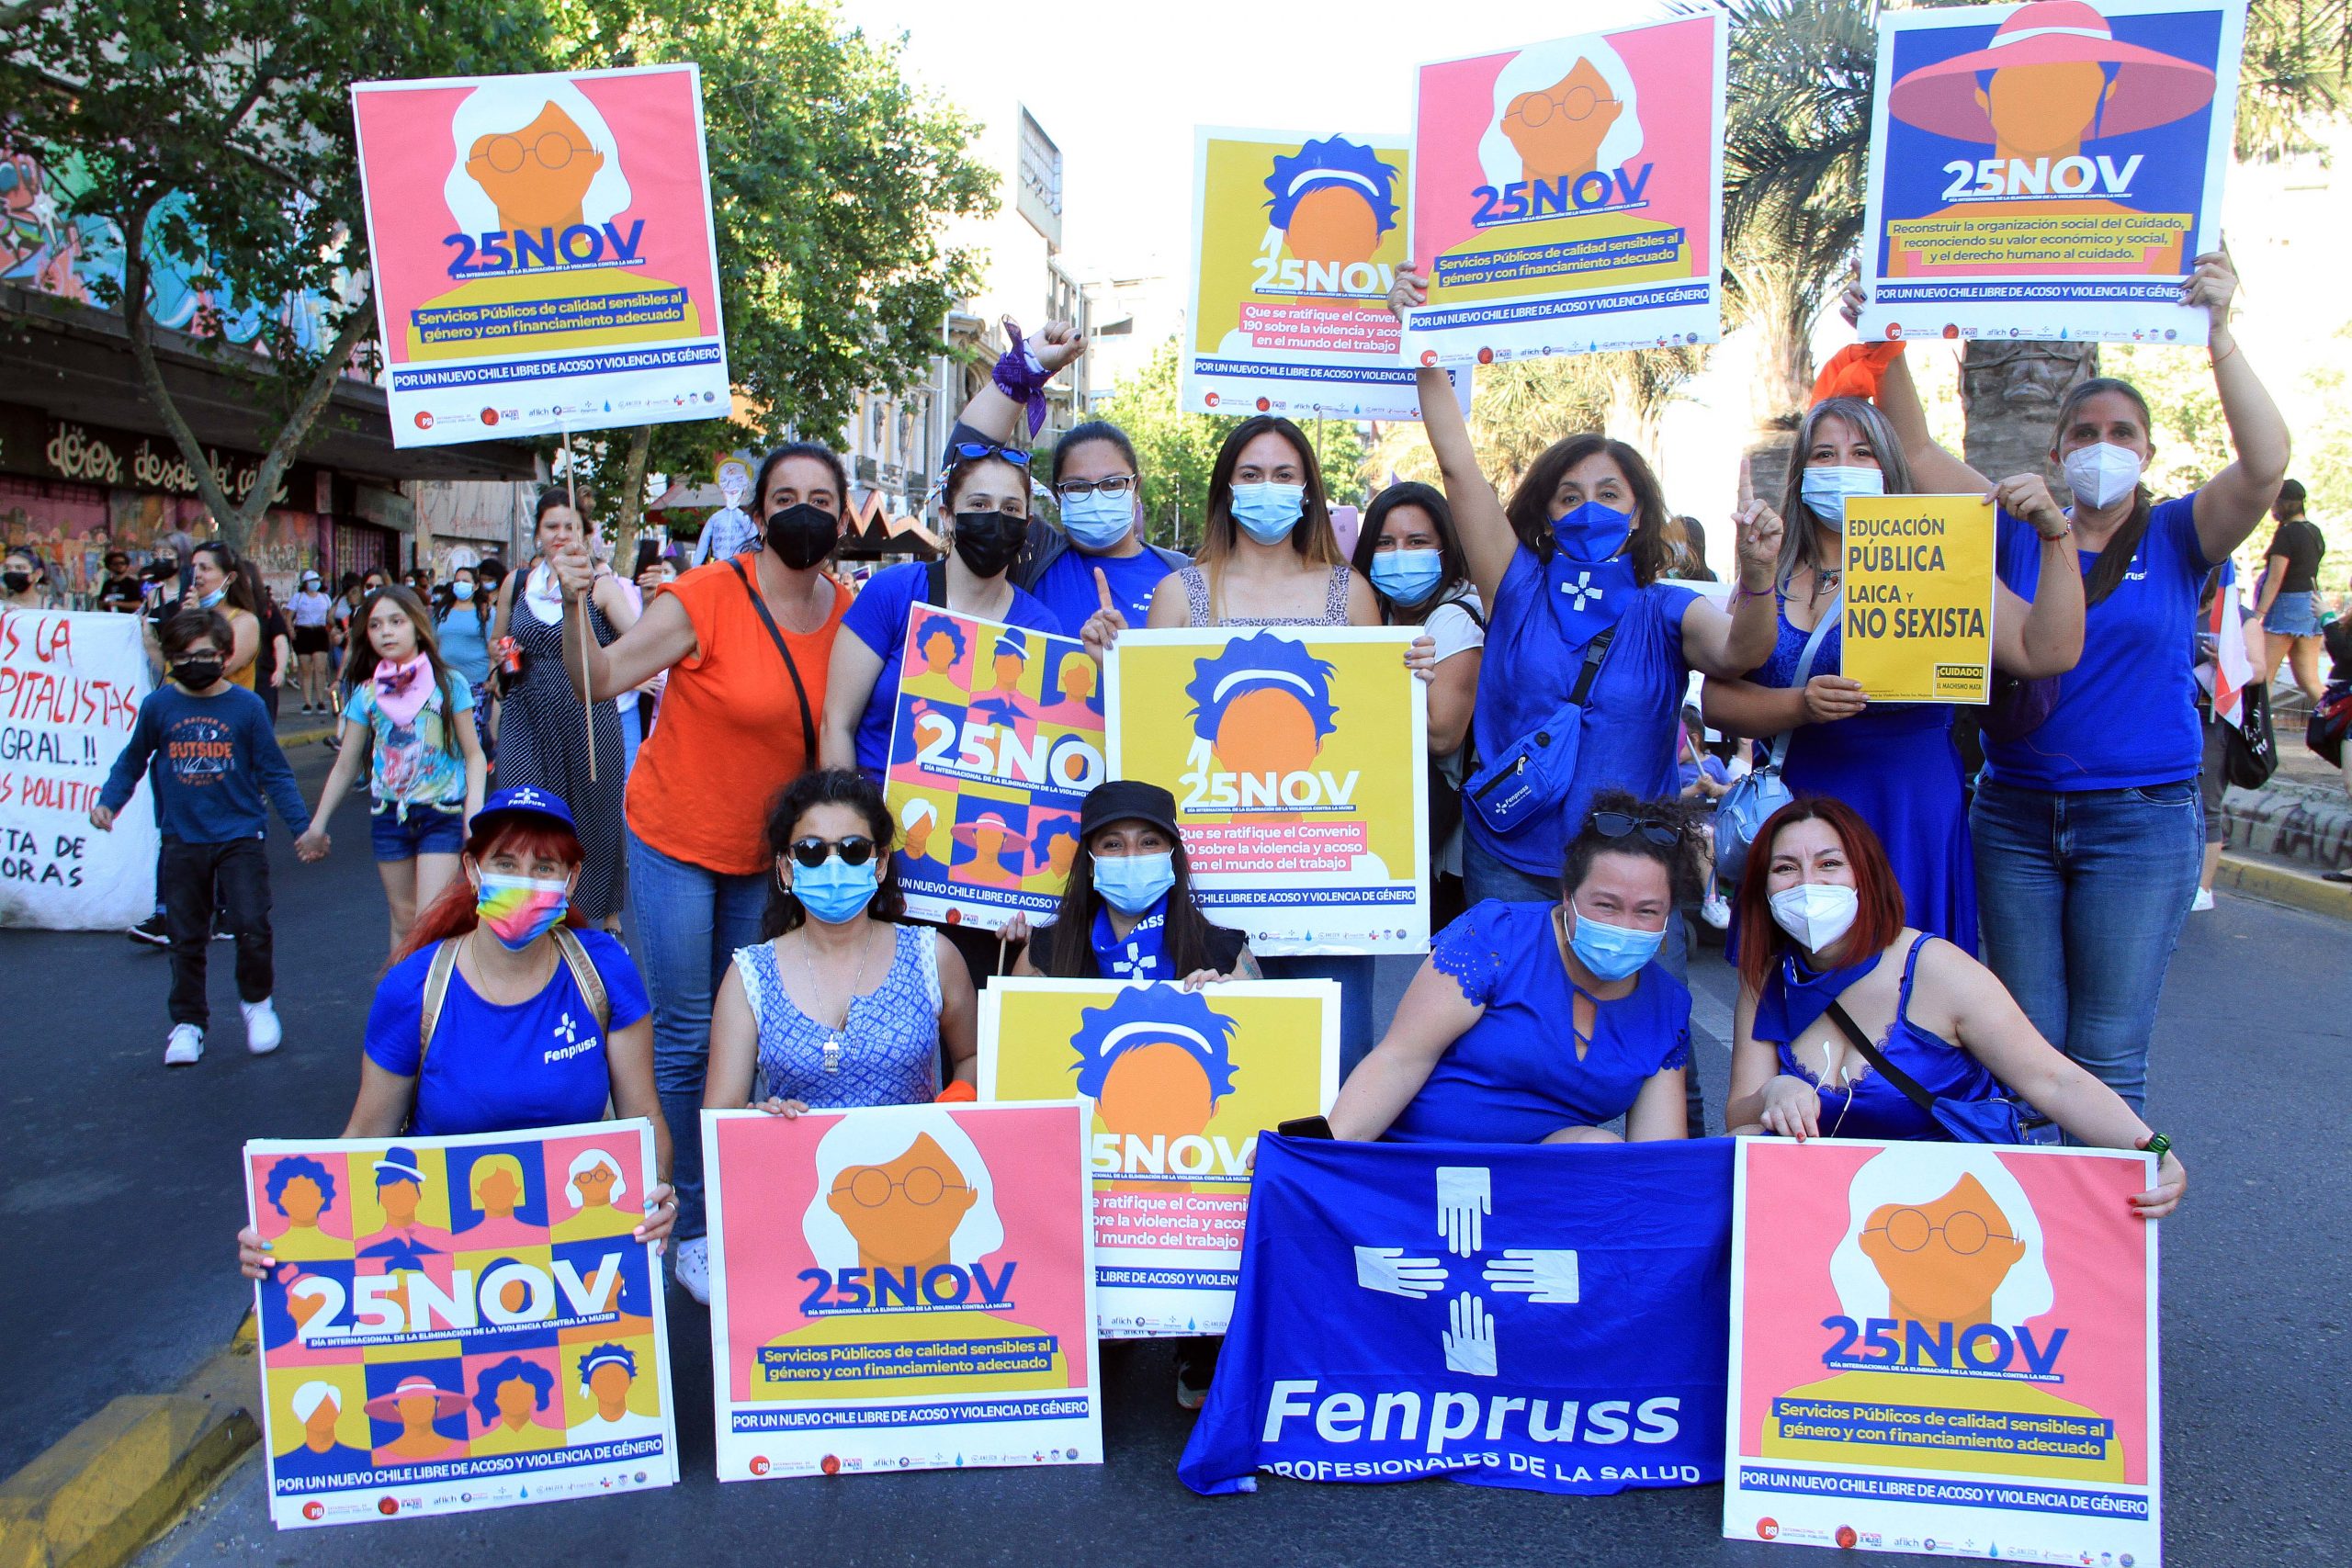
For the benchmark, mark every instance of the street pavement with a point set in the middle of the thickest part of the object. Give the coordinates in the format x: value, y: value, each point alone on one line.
x: 120, y: 1279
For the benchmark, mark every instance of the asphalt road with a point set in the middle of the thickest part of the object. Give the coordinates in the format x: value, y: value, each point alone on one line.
x: 119, y: 1279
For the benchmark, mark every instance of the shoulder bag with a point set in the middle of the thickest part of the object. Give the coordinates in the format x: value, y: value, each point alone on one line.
x: 1998, y: 1119
x: 1741, y: 814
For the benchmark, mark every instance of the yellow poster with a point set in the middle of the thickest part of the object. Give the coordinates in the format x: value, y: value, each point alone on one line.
x: 1918, y: 582
x: 1177, y: 1086
x: 1298, y: 760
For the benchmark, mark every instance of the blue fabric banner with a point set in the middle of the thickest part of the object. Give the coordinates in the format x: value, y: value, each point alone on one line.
x: 1554, y: 1319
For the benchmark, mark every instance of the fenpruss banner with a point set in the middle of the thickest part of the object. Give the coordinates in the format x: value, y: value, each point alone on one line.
x: 70, y: 688
x: 1177, y: 1086
x: 1919, y: 595
x: 1946, y: 1348
x: 460, y: 1323
x: 543, y: 253
x: 998, y: 737
x: 1567, y: 196
x: 1298, y: 759
x: 906, y: 1287
x: 2049, y: 170
x: 1296, y: 241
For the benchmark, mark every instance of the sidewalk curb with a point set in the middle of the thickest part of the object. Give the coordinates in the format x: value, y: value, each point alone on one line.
x: 97, y: 1496
x: 2278, y: 884
x: 305, y: 736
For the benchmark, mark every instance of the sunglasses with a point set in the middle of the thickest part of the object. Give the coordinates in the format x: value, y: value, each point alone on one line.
x: 966, y: 451
x: 812, y: 852
x: 1619, y: 824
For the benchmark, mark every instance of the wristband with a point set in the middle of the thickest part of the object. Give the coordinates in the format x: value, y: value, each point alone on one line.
x: 1020, y: 377
x: 2159, y: 1145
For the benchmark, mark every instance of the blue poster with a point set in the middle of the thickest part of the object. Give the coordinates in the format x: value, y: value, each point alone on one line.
x: 1553, y: 1318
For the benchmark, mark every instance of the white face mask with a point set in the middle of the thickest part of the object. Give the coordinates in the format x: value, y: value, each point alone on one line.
x: 1816, y: 913
x: 2101, y: 474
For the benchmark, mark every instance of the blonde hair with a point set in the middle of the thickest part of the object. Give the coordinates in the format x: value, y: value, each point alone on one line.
x: 489, y: 1163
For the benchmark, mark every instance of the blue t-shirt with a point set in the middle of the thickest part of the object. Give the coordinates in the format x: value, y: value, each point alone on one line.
x: 217, y: 767
x: 464, y: 646
x: 1631, y: 719
x: 496, y: 1069
x: 1514, y: 1076
x: 2127, y: 713
x: 878, y: 618
x: 1067, y: 585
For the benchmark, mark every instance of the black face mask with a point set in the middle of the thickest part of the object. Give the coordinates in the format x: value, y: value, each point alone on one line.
x: 988, y: 542
x: 16, y: 581
x: 802, y: 535
x: 196, y: 673
x: 158, y: 571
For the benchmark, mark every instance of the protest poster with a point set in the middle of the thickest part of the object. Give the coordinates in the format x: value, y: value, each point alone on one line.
x: 2049, y: 170
x: 458, y: 1323
x: 1177, y: 1086
x: 1296, y: 241
x: 904, y: 1287
x: 996, y: 740
x: 70, y: 685
x: 1547, y: 1317
x: 1919, y: 596
x: 543, y: 253
x: 1946, y: 1348
x: 1297, y: 757
x: 1567, y: 196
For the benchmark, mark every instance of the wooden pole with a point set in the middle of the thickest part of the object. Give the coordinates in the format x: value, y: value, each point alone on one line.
x: 588, y: 695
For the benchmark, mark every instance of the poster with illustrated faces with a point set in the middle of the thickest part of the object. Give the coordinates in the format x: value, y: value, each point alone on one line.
x: 458, y: 1323
x: 543, y: 252
x: 1297, y: 757
x: 1567, y: 196
x: 1177, y: 1086
x: 902, y: 1287
x: 996, y: 740
x: 1947, y: 1348
x: 2048, y: 170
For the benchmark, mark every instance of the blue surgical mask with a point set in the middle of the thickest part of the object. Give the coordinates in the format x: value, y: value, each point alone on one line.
x: 463, y: 591
x: 1266, y: 512
x: 1408, y: 577
x: 835, y: 891
x: 1592, y: 533
x: 207, y: 600
x: 1133, y: 883
x: 1611, y: 953
x: 1826, y: 490
x: 1095, y: 522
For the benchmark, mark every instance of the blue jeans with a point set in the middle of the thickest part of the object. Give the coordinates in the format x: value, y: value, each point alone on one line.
x: 690, y: 920
x: 2080, y: 898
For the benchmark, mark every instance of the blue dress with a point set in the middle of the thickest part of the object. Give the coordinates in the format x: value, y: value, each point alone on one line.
x: 1871, y: 1107
x: 1514, y: 1076
x: 1896, y: 765
x: 889, y: 1041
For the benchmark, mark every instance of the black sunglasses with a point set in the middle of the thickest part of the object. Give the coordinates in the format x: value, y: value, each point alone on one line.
x: 966, y: 451
x: 1618, y: 824
x: 855, y: 850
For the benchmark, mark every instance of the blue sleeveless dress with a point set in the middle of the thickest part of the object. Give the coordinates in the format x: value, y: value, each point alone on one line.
x: 1866, y: 1106
x: 890, y: 1038
x: 1896, y: 765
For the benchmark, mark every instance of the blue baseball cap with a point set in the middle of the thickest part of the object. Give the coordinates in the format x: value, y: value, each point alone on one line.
x: 524, y: 800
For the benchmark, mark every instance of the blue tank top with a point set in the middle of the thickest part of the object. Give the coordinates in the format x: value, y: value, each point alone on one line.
x: 1870, y: 1107
x: 889, y: 1041
x: 1847, y: 736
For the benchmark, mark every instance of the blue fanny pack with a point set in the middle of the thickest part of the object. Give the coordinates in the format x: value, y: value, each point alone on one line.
x: 1531, y: 778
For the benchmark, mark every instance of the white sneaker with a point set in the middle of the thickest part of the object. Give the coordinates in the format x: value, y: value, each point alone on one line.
x: 262, y: 1032
x: 694, y: 1269
x: 2202, y: 902
x: 186, y: 1047
x: 1716, y: 910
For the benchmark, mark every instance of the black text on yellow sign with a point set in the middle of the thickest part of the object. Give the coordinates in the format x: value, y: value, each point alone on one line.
x: 1918, y: 585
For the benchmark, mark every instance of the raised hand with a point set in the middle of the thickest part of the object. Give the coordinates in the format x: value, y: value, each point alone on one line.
x: 1389, y: 1271
x: 1102, y: 627
x: 575, y: 570
x: 1409, y: 290
x: 1470, y: 1339
x: 1853, y: 297
x: 2028, y: 496
x: 2212, y: 287
x: 1466, y: 1196
x: 1055, y: 343
x: 1760, y: 546
x: 1541, y: 1275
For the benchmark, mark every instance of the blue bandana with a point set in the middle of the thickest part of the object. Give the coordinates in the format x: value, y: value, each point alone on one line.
x: 1795, y: 997
x: 1587, y: 598
x: 1140, y: 957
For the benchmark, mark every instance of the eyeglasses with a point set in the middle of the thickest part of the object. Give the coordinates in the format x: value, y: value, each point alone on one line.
x: 1618, y: 824
x: 812, y: 852
x: 1908, y: 1230
x: 971, y: 451
x: 1577, y: 103
x: 869, y: 1188
x: 505, y: 153
x: 1075, y: 489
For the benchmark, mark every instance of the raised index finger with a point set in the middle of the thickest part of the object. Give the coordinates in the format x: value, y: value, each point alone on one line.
x: 1103, y: 587
x: 1747, y: 482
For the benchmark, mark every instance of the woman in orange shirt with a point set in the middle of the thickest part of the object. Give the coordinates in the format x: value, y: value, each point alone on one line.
x: 747, y: 642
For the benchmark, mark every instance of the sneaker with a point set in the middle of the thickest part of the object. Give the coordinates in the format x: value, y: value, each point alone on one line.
x: 694, y: 1269
x: 2202, y: 902
x: 1194, y: 1371
x: 1716, y: 910
x: 262, y: 1032
x: 150, y: 931
x: 186, y: 1047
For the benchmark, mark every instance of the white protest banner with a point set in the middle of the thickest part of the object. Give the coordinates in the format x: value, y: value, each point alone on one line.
x: 70, y: 688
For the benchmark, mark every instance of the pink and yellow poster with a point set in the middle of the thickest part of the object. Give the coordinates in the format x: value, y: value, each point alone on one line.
x: 1940, y: 1344
x: 903, y: 1286
x: 542, y: 251
x: 1567, y: 196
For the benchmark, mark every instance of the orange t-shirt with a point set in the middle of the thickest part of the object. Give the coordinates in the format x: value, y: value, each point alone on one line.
x: 728, y: 734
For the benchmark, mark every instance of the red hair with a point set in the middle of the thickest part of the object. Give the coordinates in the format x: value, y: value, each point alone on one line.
x: 453, y: 913
x: 1878, y: 919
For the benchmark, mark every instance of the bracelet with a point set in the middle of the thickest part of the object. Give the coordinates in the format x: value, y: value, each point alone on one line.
x: 2064, y: 529
x: 2158, y: 1146
x: 2217, y: 358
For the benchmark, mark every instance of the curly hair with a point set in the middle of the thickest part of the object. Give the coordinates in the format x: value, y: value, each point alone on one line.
x: 829, y: 787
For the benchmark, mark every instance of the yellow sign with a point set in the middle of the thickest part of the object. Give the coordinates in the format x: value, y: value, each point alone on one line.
x: 1918, y: 597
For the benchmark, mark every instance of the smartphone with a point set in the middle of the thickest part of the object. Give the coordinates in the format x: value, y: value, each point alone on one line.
x: 648, y: 552
x: 1304, y: 1127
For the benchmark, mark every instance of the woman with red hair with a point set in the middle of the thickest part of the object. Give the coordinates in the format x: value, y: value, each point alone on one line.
x: 1824, y: 956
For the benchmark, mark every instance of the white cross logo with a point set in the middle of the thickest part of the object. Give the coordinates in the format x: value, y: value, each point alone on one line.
x: 1464, y: 1198
x: 1583, y: 590
x: 569, y: 1030
x: 1133, y: 964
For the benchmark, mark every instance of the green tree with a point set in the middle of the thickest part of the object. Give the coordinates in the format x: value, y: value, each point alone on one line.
x: 216, y: 138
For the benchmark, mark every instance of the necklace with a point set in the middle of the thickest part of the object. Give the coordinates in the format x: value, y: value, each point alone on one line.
x: 831, y: 1051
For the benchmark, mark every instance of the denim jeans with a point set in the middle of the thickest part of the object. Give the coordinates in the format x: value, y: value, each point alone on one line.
x: 2081, y: 897
x: 690, y: 920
